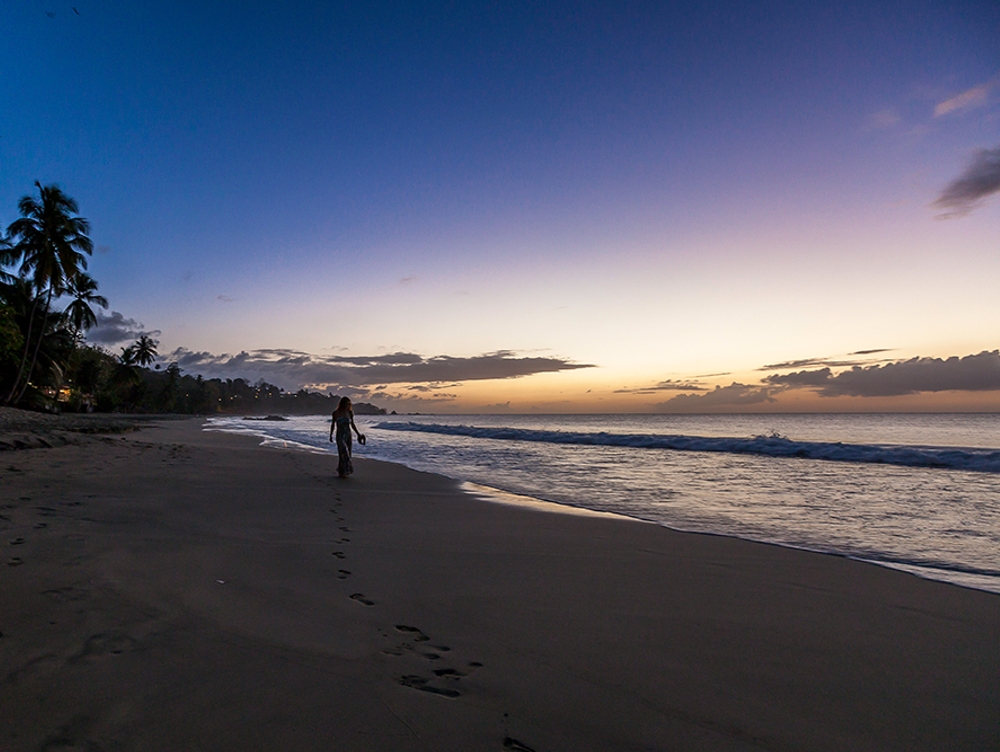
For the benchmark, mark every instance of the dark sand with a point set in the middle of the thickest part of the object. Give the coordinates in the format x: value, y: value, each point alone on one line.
x: 174, y: 589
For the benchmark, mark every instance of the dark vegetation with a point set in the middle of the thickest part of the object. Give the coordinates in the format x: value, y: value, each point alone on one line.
x: 47, y: 303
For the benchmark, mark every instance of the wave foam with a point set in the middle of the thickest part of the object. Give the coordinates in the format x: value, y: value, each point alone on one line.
x: 983, y: 460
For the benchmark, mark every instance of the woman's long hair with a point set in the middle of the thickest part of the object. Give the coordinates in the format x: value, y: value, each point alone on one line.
x: 343, y: 407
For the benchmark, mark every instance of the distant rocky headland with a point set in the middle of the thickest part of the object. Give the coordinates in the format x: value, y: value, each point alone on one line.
x: 360, y: 408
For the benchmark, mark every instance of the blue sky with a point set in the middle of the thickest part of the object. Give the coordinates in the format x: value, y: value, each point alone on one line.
x: 668, y: 194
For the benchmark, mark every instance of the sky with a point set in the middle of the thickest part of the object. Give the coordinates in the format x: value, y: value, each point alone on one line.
x: 532, y: 207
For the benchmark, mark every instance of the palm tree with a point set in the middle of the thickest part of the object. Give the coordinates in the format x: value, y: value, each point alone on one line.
x: 79, y: 313
x: 49, y: 243
x: 6, y: 259
x: 52, y: 341
x: 128, y: 374
x: 143, y: 350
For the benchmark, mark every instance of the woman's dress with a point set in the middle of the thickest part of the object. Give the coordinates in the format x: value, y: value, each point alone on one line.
x: 343, y: 424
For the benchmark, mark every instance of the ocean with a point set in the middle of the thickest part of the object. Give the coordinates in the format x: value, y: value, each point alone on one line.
x: 917, y: 492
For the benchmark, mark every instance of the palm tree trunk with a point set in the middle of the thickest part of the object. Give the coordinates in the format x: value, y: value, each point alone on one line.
x: 38, y: 346
x: 24, y: 358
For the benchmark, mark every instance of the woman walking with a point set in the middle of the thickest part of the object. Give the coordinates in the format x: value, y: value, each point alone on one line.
x: 342, y: 423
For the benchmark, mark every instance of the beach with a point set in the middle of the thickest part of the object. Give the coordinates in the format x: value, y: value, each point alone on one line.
x: 171, y: 588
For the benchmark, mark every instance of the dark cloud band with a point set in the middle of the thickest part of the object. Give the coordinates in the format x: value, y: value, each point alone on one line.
x: 293, y: 369
x: 113, y: 328
x: 973, y: 373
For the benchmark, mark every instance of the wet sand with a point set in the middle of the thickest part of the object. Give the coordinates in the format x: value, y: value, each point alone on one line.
x: 177, y: 589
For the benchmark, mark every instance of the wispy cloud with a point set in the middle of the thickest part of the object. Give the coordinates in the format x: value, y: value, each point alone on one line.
x: 224, y: 298
x: 829, y: 362
x: 886, y: 118
x: 973, y: 373
x: 980, y: 179
x: 974, y: 97
x: 668, y: 385
x: 113, y: 328
x: 292, y: 369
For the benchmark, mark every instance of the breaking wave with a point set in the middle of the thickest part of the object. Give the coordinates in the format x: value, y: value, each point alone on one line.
x: 774, y: 445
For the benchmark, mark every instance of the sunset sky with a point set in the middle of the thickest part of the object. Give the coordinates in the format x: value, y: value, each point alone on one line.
x: 591, y: 206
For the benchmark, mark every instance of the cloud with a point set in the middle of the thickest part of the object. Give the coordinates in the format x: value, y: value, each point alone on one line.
x: 974, y: 97
x: 802, y: 378
x: 400, y: 400
x: 224, y: 298
x: 734, y: 395
x: 669, y: 385
x: 813, y: 362
x: 408, y: 280
x: 292, y: 369
x: 496, y: 407
x: 980, y: 179
x: 113, y: 328
x: 973, y: 373
x: 883, y: 119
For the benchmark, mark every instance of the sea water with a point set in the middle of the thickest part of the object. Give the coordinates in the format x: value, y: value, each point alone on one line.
x: 916, y: 492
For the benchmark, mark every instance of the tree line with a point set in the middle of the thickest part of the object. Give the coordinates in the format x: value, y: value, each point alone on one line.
x: 47, y: 302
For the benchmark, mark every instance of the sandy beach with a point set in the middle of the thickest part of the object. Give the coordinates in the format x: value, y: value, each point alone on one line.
x: 175, y: 589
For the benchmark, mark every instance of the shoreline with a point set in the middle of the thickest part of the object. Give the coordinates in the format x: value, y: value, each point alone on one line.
x: 960, y: 577
x: 20, y: 429
x: 187, y: 589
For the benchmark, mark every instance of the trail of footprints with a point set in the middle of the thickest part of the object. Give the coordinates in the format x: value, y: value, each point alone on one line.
x: 409, y: 640
x: 440, y: 681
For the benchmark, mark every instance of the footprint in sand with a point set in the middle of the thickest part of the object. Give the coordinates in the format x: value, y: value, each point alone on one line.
x: 419, y: 682
x: 15, y: 562
x: 360, y: 598
x: 454, y: 673
x: 344, y: 529
x: 514, y: 744
x: 17, y: 541
x: 345, y: 540
x: 443, y: 680
x: 339, y: 554
x: 418, y: 635
x: 343, y: 574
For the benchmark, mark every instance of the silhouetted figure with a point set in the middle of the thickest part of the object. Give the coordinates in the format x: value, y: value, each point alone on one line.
x: 342, y: 423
